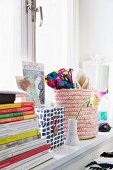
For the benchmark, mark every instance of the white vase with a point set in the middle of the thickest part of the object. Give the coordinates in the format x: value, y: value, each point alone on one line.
x: 72, y: 136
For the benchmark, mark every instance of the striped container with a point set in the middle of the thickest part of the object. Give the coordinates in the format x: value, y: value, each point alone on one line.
x: 71, y: 100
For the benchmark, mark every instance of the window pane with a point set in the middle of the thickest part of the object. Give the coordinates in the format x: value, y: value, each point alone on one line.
x: 10, y: 42
x: 51, y: 38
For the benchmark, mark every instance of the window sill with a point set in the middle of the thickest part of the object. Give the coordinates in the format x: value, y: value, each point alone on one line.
x: 66, y: 157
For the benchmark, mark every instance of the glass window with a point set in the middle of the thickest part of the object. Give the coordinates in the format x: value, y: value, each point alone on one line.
x: 51, y: 38
x: 10, y: 42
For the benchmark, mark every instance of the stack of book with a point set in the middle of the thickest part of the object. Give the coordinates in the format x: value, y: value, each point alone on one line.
x: 21, y: 146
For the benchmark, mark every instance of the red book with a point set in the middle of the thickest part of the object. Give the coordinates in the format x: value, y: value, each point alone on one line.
x: 28, y: 113
x: 13, y: 110
x: 26, y: 104
x: 22, y: 156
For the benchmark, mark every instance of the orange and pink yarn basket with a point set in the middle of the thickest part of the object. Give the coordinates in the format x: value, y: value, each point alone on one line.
x: 71, y: 100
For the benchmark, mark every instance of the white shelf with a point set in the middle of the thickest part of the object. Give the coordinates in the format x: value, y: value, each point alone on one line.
x: 65, y: 155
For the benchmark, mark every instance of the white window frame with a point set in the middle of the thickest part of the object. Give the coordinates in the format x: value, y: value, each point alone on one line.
x: 73, y: 35
x: 27, y: 34
x: 24, y: 31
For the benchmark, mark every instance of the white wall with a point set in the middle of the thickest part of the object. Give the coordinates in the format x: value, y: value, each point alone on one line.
x: 96, y: 37
x: 95, y: 28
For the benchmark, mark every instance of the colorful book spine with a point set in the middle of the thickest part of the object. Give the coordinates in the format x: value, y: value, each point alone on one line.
x: 19, y: 136
x: 16, y: 105
x: 19, y: 142
x: 23, y: 156
x: 28, y: 113
x: 14, y: 119
x: 37, y: 158
x: 13, y: 110
x: 13, y: 124
x: 29, y: 116
x: 34, y: 161
x: 7, y: 156
x: 13, y: 130
x: 22, y: 146
x: 17, y: 131
x: 11, y: 119
x: 18, y: 125
x: 8, y: 153
x: 10, y: 115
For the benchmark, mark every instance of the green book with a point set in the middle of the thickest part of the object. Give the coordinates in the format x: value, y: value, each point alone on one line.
x: 11, y: 115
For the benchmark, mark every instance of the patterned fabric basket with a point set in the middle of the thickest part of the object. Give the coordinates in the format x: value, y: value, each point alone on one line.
x: 71, y: 100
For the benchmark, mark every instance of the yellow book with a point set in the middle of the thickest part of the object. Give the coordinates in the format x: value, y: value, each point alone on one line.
x: 30, y: 116
x: 7, y: 106
x: 16, y: 105
x: 19, y: 136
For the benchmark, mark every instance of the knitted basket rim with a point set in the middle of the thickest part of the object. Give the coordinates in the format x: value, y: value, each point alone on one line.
x: 72, y: 90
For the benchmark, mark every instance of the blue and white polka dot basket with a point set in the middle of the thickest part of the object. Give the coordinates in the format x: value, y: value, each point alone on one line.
x: 51, y: 123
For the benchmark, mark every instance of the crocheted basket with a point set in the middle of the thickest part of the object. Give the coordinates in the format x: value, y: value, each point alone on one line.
x: 71, y: 100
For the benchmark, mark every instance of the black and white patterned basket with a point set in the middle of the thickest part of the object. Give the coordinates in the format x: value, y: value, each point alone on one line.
x: 51, y: 123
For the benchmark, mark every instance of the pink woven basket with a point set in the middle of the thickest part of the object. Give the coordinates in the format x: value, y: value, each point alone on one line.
x: 71, y: 100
